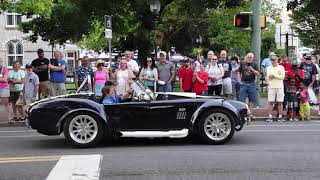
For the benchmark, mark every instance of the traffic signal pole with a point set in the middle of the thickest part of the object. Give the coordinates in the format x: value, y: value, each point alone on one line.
x: 256, y: 40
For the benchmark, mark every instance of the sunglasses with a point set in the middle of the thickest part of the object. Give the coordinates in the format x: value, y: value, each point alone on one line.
x: 149, y: 61
x: 214, y: 59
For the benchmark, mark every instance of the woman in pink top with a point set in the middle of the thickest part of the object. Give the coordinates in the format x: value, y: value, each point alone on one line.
x: 100, y: 78
x: 4, y: 88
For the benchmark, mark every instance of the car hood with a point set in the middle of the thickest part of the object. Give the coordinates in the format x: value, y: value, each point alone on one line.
x: 78, y: 95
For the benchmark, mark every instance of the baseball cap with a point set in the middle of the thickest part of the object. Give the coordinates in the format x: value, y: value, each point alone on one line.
x: 272, y: 54
x: 294, y: 62
x: 28, y: 66
x: 163, y: 52
x: 273, y: 57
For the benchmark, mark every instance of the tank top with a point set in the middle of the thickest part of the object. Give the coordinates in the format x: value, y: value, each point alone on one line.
x: 4, y: 72
x: 100, y: 76
x: 122, y: 82
x: 150, y: 74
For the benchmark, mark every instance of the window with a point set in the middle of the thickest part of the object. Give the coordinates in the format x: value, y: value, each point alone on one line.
x: 13, y: 19
x: 14, y: 52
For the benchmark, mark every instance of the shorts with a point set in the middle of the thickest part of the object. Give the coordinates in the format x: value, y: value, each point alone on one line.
x: 98, y: 89
x: 292, y: 101
x: 248, y: 89
x: 44, y: 88
x: 14, y: 96
x: 24, y: 102
x: 4, y: 93
x: 227, y: 85
x: 275, y: 94
x: 58, y: 88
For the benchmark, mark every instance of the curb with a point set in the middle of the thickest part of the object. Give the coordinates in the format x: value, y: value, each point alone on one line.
x: 313, y: 118
x: 16, y: 124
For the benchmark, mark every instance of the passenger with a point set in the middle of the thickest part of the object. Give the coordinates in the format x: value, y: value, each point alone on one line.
x: 109, y: 94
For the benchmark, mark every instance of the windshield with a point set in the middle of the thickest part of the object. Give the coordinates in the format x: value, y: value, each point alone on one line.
x: 143, y: 91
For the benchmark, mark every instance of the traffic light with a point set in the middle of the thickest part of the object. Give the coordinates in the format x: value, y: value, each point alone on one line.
x: 242, y: 20
x: 263, y: 22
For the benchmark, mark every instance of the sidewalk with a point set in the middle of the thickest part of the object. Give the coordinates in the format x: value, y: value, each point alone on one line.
x: 262, y: 113
x: 4, y: 120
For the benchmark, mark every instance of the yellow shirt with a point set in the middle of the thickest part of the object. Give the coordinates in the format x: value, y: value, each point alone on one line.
x: 277, y: 80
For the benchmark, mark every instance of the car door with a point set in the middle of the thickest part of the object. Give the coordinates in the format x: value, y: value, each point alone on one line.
x: 171, y: 114
x: 128, y: 116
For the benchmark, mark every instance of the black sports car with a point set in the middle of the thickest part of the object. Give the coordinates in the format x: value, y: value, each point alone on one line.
x: 85, y: 121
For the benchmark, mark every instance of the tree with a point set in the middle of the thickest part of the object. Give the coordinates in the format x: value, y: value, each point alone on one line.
x: 306, y: 22
x: 81, y: 21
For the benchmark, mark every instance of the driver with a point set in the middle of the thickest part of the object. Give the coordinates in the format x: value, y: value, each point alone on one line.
x: 109, y: 94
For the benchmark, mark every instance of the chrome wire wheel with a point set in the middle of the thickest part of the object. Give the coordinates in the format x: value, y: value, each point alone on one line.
x: 83, y: 129
x: 217, y: 126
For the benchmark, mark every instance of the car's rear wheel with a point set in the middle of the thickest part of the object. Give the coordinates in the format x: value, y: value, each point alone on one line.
x: 216, y: 126
x: 83, y: 130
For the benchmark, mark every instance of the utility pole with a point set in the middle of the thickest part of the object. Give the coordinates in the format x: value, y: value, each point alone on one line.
x: 256, y: 40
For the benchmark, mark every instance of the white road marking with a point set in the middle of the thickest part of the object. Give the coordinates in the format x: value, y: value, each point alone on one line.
x: 23, y: 131
x: 80, y: 167
x: 283, y: 130
x: 282, y: 125
x: 26, y: 136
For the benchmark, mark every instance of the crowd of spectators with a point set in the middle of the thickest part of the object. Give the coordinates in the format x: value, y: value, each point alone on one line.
x: 289, y: 82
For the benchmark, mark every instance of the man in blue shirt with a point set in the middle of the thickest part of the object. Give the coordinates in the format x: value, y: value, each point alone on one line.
x: 109, y: 94
x: 266, y: 63
x: 57, y: 76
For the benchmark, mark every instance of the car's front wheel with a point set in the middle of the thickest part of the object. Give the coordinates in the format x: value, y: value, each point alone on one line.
x: 83, y: 130
x: 216, y: 126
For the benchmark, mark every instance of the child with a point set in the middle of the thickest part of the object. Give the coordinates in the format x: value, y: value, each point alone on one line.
x: 292, y: 99
x: 304, y: 103
x: 30, y: 90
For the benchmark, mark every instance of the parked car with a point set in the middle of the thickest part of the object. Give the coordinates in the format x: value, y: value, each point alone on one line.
x: 85, y: 122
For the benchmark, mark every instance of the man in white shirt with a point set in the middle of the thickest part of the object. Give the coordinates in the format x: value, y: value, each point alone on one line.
x: 132, y: 64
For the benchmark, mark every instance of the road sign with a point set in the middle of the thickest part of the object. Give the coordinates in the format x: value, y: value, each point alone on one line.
x: 107, y: 22
x: 108, y: 27
x: 108, y: 33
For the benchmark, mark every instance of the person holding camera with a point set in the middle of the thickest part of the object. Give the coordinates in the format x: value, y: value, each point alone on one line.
x: 247, y: 73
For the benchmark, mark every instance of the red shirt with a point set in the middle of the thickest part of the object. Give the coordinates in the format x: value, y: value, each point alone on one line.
x: 287, y: 68
x: 199, y: 88
x: 186, y: 75
x: 297, y: 80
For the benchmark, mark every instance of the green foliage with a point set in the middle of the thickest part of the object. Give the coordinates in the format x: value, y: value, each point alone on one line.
x: 223, y: 34
x: 95, y: 39
x: 181, y: 22
x: 305, y: 16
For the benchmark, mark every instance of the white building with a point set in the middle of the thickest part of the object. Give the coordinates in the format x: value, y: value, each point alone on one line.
x: 13, y: 46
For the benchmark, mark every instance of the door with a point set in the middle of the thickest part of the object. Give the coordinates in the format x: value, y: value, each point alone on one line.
x: 128, y: 116
x: 171, y: 114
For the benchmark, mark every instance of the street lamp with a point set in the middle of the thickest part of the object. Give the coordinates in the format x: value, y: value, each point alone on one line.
x: 155, y: 7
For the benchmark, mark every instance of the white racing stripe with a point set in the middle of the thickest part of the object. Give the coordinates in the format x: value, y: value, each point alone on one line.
x: 77, y: 167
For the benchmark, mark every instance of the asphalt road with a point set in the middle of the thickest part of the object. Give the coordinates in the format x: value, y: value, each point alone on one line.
x: 261, y: 151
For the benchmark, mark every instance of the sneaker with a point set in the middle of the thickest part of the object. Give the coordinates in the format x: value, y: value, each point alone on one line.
x: 280, y: 119
x: 291, y: 119
x: 269, y: 120
x: 296, y: 119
